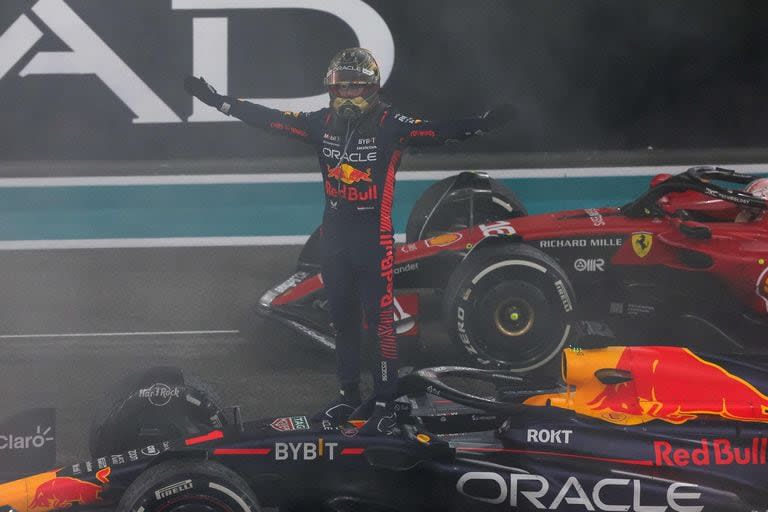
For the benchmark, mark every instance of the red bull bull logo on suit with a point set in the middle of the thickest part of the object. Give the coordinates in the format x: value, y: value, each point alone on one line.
x: 348, y: 177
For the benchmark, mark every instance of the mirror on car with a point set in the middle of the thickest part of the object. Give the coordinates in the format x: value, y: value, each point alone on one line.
x: 695, y: 230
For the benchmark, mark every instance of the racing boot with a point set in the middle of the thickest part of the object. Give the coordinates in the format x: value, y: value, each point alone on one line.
x: 382, y: 422
x: 340, y: 409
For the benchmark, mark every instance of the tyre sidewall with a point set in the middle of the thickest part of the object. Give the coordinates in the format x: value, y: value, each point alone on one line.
x: 491, y: 270
x: 173, y: 483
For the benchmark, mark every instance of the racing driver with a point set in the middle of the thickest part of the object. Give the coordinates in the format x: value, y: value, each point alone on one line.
x: 758, y: 188
x: 360, y: 141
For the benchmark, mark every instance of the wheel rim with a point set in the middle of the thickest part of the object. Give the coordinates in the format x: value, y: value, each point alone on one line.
x: 514, y: 317
x: 514, y: 326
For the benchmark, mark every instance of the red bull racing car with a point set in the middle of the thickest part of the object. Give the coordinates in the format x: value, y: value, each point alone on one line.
x: 685, y: 262
x: 643, y: 429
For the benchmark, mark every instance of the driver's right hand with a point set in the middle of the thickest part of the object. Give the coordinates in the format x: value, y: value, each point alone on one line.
x: 203, y: 91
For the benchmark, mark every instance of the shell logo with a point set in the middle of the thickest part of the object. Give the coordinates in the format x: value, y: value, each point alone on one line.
x: 443, y: 240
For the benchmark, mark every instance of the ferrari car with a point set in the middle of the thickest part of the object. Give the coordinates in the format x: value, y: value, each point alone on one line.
x: 685, y: 262
x: 641, y: 428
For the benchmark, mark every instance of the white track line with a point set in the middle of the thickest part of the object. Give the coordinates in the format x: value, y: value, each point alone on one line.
x: 138, y: 243
x: 114, y: 334
x: 128, y: 243
x: 314, y: 177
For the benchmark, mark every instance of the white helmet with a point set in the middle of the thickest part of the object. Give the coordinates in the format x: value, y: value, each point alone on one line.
x: 758, y: 187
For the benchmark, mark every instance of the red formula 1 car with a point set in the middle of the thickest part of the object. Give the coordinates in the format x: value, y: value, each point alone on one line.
x: 686, y: 261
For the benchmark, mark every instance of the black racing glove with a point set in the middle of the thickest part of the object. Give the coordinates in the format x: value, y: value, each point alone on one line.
x: 203, y: 91
x: 499, y: 116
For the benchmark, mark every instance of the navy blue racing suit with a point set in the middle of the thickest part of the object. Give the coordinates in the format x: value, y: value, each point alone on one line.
x: 359, y: 160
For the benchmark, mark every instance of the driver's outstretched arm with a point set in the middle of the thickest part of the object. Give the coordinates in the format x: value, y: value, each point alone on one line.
x: 295, y: 124
x: 424, y: 133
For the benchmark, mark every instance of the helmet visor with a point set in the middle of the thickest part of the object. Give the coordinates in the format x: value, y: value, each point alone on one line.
x: 351, y: 90
x: 350, y: 75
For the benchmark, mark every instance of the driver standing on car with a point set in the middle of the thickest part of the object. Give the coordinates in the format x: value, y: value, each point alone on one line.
x: 360, y: 141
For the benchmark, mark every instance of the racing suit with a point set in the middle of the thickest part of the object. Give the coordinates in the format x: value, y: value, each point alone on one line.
x: 358, y: 161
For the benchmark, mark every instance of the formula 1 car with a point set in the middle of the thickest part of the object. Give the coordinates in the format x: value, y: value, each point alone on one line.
x: 686, y: 262
x: 644, y: 429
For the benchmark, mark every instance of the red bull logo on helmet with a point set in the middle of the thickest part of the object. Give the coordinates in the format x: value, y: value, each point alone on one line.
x: 670, y: 384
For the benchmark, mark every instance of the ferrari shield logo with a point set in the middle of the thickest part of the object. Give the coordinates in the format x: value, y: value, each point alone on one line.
x: 642, y: 243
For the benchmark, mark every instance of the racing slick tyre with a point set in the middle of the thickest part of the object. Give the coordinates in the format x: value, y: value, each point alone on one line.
x: 189, y: 486
x: 454, y: 215
x: 510, y: 306
x: 159, y: 404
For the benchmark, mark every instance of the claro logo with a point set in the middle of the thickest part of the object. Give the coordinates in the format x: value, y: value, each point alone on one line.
x: 38, y: 439
x: 90, y: 54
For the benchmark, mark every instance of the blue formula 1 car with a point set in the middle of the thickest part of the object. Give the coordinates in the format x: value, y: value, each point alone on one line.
x: 644, y: 429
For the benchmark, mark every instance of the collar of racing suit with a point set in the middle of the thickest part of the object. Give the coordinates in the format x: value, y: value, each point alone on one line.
x: 365, y: 125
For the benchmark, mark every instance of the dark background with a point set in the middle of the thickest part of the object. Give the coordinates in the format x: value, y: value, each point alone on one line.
x: 586, y: 75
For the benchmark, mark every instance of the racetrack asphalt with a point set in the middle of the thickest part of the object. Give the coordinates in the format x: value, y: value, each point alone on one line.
x: 75, y: 322
x: 114, y: 294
